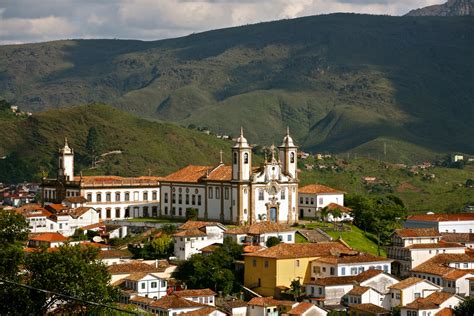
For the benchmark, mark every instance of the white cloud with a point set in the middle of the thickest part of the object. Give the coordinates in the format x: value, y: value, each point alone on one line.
x: 32, y: 20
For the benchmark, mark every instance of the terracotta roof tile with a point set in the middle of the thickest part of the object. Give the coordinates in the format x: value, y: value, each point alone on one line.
x: 173, y: 301
x: 190, y: 174
x: 220, y: 173
x: 49, y: 237
x: 92, y: 226
x: 358, y: 290
x: 318, y: 189
x: 445, y: 312
x: 432, y: 301
x: 300, y: 308
x: 458, y: 237
x: 141, y: 299
x: 236, y: 303
x: 189, y: 233
x: 439, y: 264
x: 268, y: 301
x: 417, y: 232
x: 197, y: 225
x: 211, y: 248
x: 137, y: 276
x: 114, y: 253
x: 137, y: 266
x: 75, y: 212
x: 335, y: 206
x: 75, y: 199
x: 252, y: 248
x: 200, y: 312
x: 196, y: 292
x: 403, y: 284
x: 116, y: 180
x: 439, y: 297
x: 442, y: 217
x: 370, y: 308
x: 259, y: 228
x: 305, y: 250
x: 349, y: 279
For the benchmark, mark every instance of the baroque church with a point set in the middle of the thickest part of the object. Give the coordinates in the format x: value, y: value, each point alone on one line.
x: 239, y: 194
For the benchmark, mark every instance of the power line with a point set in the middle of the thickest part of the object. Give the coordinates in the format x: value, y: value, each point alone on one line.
x: 68, y: 297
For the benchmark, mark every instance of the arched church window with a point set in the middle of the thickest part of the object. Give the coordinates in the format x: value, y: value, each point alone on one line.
x: 235, y: 158
x: 292, y: 157
x: 246, y: 158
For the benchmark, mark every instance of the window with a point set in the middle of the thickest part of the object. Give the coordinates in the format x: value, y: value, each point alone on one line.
x: 210, y: 192
x: 260, y: 195
x: 320, y: 290
x: 417, y: 295
x: 166, y: 210
x: 173, y: 198
x: 117, y: 196
x: 187, y: 199
x: 297, y: 263
x: 465, y: 265
x: 292, y: 157
x: 108, y: 197
x: 332, y: 271
x: 312, y: 200
x: 218, y: 193
x: 385, y: 268
x: 254, y: 262
x: 282, y: 195
x: 266, y: 263
x: 99, y: 197
x: 166, y: 197
x: 89, y: 197
x: 135, y: 196
x: 193, y: 200
x: 145, y: 196
x: 154, y: 196
x: 163, y: 283
x: 127, y: 196
x: 143, y: 285
x: 290, y: 238
x: 117, y: 213
x: 301, y: 200
x: 235, y: 158
x: 246, y: 158
x: 321, y: 200
x: 343, y: 271
x: 353, y: 271
x: 180, y: 198
x: 226, y: 193
x: 307, y: 201
x: 153, y: 285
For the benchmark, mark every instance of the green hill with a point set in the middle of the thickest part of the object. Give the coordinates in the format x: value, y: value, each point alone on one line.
x: 340, y: 81
x: 31, y: 143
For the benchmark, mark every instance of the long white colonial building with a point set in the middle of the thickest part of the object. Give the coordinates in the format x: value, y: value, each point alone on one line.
x: 239, y: 193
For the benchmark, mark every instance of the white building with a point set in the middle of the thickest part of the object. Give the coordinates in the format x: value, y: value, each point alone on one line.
x: 307, y: 309
x: 314, y: 197
x: 259, y: 233
x: 408, y: 290
x: 112, y: 196
x: 367, y: 295
x: 450, y: 271
x: 195, y: 235
x: 143, y: 284
x: 268, y: 306
x: 413, y: 246
x: 239, y: 193
x: 444, y: 223
x: 202, y: 296
x: 431, y: 305
x: 345, y: 264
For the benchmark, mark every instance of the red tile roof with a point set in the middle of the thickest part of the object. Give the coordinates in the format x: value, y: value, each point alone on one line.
x: 287, y: 251
x: 189, y: 233
x: 49, y: 237
x: 318, y: 189
x: 445, y: 312
x: 189, y: 174
x: 439, y: 245
x: 174, y: 302
x: 268, y: 301
x: 351, y: 258
x: 458, y: 237
x: 403, y: 284
x: 370, y: 308
x: 197, y: 225
x: 358, y: 290
x: 442, y: 217
x: 75, y: 199
x: 439, y: 264
x: 137, y: 266
x: 196, y: 292
x: 335, y: 206
x: 220, y: 173
x: 259, y: 228
x: 251, y: 248
x: 115, y: 179
x: 301, y: 308
x: 432, y: 301
x: 200, y: 312
x: 417, y: 232
x: 350, y: 279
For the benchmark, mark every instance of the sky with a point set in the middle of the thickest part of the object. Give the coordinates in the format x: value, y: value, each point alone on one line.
x: 24, y: 21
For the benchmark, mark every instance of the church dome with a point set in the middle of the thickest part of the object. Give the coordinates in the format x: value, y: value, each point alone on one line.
x: 287, y: 140
x: 66, y: 149
x: 241, y: 140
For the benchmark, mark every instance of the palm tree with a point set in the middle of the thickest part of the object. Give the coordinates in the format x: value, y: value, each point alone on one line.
x: 336, y: 213
x: 324, y: 212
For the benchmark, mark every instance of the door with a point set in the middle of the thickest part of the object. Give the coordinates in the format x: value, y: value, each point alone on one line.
x: 273, y: 214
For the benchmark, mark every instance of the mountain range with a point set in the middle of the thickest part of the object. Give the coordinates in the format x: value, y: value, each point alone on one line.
x: 341, y: 82
x: 450, y: 8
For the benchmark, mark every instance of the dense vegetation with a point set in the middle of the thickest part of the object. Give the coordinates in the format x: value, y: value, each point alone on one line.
x: 342, y: 82
x: 30, y: 144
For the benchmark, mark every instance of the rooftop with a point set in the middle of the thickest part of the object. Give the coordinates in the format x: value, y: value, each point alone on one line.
x: 189, y: 174
x: 442, y: 217
x: 204, y: 311
x: 441, y: 244
x: 351, y: 258
x: 190, y: 233
x: 49, y: 237
x: 432, y: 301
x: 259, y: 228
x: 439, y: 264
x: 197, y: 292
x: 174, y: 302
x: 318, y: 189
x: 197, y: 225
x: 458, y: 237
x: 300, y: 308
x: 304, y: 250
x: 137, y: 266
x: 417, y: 232
x: 370, y: 308
x: 268, y: 301
x: 406, y: 283
x: 350, y: 279
x: 358, y: 290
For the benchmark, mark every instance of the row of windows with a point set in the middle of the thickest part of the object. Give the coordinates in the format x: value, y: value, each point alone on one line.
x: 186, y: 199
x: 310, y: 201
x: 261, y: 194
x: 117, y: 211
x: 353, y: 270
x: 126, y: 196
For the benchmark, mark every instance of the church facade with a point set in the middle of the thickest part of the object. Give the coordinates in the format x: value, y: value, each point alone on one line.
x: 239, y: 193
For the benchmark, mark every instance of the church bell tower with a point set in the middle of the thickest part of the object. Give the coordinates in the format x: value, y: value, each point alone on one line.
x: 241, y: 159
x: 66, y: 162
x: 288, y: 155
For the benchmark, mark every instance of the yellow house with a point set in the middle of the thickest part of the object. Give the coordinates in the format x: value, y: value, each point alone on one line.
x: 268, y: 270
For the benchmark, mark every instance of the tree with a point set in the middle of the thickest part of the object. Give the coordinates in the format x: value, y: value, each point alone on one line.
x: 296, y: 289
x: 158, y: 248
x: 93, y: 144
x: 465, y: 308
x: 191, y: 214
x: 168, y: 229
x: 324, y: 212
x: 71, y: 270
x: 272, y: 241
x: 336, y: 213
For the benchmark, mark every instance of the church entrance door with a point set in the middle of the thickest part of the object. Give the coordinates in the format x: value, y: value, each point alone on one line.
x: 273, y: 214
